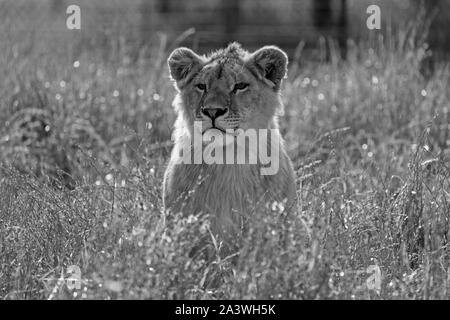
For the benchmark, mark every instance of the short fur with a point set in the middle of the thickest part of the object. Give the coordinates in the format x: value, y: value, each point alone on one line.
x: 227, y: 192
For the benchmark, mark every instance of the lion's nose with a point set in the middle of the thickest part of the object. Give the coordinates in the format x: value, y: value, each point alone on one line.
x: 214, y: 113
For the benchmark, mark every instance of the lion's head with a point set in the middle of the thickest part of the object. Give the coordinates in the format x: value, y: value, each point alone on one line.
x: 229, y: 89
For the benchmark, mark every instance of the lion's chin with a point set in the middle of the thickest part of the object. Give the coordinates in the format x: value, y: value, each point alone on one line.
x: 220, y: 137
x: 215, y: 130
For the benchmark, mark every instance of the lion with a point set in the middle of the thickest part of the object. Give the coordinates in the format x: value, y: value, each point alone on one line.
x: 227, y: 91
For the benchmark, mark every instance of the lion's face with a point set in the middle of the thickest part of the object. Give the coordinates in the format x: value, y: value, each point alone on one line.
x: 230, y: 89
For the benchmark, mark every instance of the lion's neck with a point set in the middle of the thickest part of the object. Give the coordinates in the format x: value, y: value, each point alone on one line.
x: 222, y: 191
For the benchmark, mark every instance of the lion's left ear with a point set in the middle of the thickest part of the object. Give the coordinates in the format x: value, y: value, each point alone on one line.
x: 269, y: 64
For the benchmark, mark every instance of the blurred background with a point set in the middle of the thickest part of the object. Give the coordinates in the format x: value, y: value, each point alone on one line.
x: 85, y: 136
x: 211, y: 24
x: 284, y: 23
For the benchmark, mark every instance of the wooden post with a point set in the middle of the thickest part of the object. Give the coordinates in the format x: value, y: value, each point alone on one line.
x: 231, y: 14
x: 342, y: 29
x: 322, y: 14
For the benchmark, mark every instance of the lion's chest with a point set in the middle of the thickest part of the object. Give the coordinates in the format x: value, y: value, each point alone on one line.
x: 226, y: 187
x: 227, y: 193
x: 218, y: 189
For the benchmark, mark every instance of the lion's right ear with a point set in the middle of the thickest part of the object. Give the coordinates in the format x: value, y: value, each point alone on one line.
x: 183, y: 65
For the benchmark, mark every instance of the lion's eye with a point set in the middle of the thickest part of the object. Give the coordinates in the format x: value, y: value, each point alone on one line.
x: 201, y: 87
x: 241, y: 86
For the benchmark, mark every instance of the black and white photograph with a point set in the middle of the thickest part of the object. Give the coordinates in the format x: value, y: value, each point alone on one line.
x: 204, y: 151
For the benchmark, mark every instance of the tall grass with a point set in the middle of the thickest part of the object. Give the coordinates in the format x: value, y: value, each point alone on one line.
x: 85, y: 135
